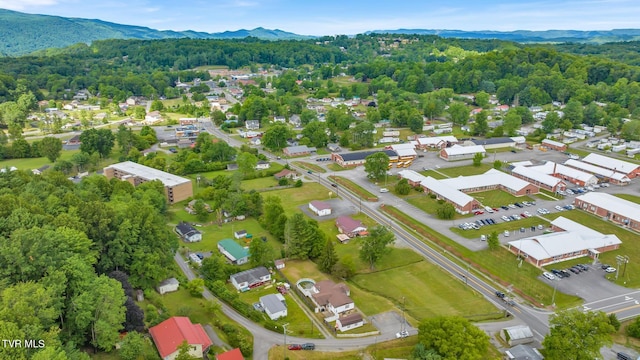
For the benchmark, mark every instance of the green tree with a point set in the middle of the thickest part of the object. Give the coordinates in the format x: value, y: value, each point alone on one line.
x: 374, y: 246
x: 296, y: 235
x: 497, y: 164
x: 376, y: 165
x: 99, y: 141
x: 403, y: 187
x: 156, y: 105
x: 453, y: 338
x: 492, y: 241
x: 512, y: 122
x: 195, y: 287
x: 481, y: 126
x: 477, y: 159
x: 445, y: 211
x: 550, y: 122
x: 315, y: 132
x: 328, y: 258
x: 458, y: 113
x: 261, y: 252
x: 275, y: 138
x: 573, y: 112
x: 200, y: 207
x: 51, y: 147
x: 631, y: 130
x: 247, y: 163
x: 420, y: 352
x: 132, y: 346
x: 482, y: 99
x: 613, y: 320
x: 577, y: 334
x: 362, y: 135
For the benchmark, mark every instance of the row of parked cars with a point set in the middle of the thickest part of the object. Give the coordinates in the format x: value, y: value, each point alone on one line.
x: 577, y: 269
x: 582, y: 190
x: 515, y: 205
x: 476, y: 225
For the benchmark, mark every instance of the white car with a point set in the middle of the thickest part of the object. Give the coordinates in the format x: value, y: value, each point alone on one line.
x: 527, y: 214
x: 610, y: 269
x: 402, y: 334
x: 506, y: 233
x: 559, y: 208
x: 384, y: 190
x: 549, y: 275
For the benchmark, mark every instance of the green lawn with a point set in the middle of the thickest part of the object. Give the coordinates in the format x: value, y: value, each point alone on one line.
x: 292, y: 198
x: 629, y: 197
x: 259, y: 183
x: 497, y: 198
x: 34, y: 163
x: 309, y: 166
x: 500, y: 226
x: 630, y: 245
x: 336, y: 167
x: 425, y: 203
x: 354, y: 188
x: 428, y: 291
x: 433, y: 174
x: 466, y: 170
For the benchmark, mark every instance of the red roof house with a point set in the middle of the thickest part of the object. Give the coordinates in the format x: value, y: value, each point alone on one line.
x: 350, y: 226
x: 171, y: 333
x: 234, y: 354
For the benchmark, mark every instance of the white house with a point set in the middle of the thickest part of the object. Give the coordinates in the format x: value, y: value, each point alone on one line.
x: 332, y: 298
x: 252, y: 124
x: 167, y: 286
x: 320, y: 208
x: 263, y: 165
x: 348, y: 322
x: 274, y: 306
x: 188, y: 233
x: 249, y: 279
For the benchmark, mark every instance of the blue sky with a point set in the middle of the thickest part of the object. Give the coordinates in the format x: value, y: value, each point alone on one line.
x: 329, y: 17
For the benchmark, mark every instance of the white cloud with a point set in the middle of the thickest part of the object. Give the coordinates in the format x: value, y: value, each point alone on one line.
x: 25, y: 4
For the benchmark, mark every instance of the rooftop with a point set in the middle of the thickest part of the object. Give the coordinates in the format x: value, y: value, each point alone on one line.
x: 611, y: 163
x: 538, y: 176
x: 251, y: 275
x: 463, y: 150
x: 361, y: 155
x: 613, y: 204
x: 320, y: 205
x: 273, y: 302
x: 598, y: 170
x: 233, y: 248
x: 490, y: 178
x: 171, y: 333
x: 149, y: 173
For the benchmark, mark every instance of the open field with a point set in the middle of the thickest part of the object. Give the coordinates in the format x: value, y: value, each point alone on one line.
x: 259, y: 183
x: 425, y: 203
x: 354, y: 188
x: 496, y: 198
x: 630, y: 245
x: 336, y: 167
x: 34, y: 163
x: 500, y: 265
x: 433, y: 174
x: 427, y: 291
x: 294, y: 197
x: 309, y: 166
x: 466, y: 170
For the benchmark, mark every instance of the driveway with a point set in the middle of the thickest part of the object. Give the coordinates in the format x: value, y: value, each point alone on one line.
x: 590, y: 285
x: 390, y: 322
x: 339, y: 207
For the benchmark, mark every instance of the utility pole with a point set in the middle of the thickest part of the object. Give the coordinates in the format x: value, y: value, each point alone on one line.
x: 284, y: 347
x: 403, y: 318
x: 553, y: 297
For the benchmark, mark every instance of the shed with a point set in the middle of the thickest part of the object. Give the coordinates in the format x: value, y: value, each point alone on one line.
x: 523, y: 352
x: 279, y: 264
x: 274, y: 306
x: 169, y: 285
x: 240, y: 234
x: 516, y: 335
x: 348, y: 322
x: 320, y: 208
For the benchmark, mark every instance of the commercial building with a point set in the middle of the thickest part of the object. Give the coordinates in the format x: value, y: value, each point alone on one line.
x: 494, y: 143
x: 435, y: 142
x: 569, y: 241
x: 300, y: 150
x: 603, y: 174
x: 538, y: 178
x: 457, y: 152
x: 359, y: 158
x: 554, y: 145
x: 176, y: 188
x: 572, y: 175
x: 320, y: 208
x: 611, y: 207
x: 461, y: 201
x: 629, y: 169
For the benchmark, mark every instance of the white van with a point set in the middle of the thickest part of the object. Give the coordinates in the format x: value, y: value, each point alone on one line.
x: 195, y: 259
x: 549, y: 275
x: 488, y: 209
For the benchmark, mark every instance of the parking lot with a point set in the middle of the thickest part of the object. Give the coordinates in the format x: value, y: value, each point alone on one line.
x: 590, y: 285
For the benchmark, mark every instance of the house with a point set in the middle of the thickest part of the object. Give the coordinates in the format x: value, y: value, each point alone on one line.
x: 274, y: 305
x: 249, y: 279
x: 523, y: 352
x: 234, y: 354
x: 240, y: 234
x: 554, y: 145
x: 516, y: 335
x: 40, y: 170
x: 279, y: 264
x: 255, y: 141
x: 263, y: 165
x: 333, y: 147
x: 348, y: 322
x: 252, y: 124
x: 350, y: 226
x: 495, y: 143
x: 295, y: 120
x: 188, y: 233
x: 169, y: 285
x: 173, y: 332
x: 359, y: 158
x: 300, y: 150
x: 570, y: 240
x: 152, y: 118
x: 235, y: 253
x: 279, y: 119
x: 332, y: 298
x: 286, y: 173
x: 457, y: 152
x: 320, y: 208
x: 611, y: 207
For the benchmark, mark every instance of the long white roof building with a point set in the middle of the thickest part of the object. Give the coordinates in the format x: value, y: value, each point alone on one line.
x: 612, y: 204
x: 491, y: 178
x: 550, y: 168
x: 600, y: 171
x: 538, y: 176
x: 606, y: 162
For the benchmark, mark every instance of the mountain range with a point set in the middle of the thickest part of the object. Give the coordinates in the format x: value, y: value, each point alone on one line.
x: 22, y: 33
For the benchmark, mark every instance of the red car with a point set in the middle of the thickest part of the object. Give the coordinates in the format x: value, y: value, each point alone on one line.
x: 523, y: 215
x: 496, y: 209
x: 295, y: 347
x: 479, y: 212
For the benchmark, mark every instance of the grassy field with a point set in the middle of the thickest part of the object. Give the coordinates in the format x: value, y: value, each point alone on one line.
x: 259, y: 183
x: 354, y: 188
x: 292, y: 198
x: 427, y: 291
x: 501, y: 265
x: 630, y: 246
x: 336, y: 167
x: 500, y: 227
x: 466, y: 170
x: 425, y: 203
x: 629, y: 197
x: 497, y: 198
x: 433, y: 174
x: 34, y: 163
x: 309, y: 166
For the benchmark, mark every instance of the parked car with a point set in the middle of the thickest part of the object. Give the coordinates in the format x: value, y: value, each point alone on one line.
x: 569, y: 191
x: 559, y: 208
x: 516, y: 216
x: 173, y: 150
x: 308, y: 346
x: 384, y: 190
x: 505, y: 207
x: 402, y: 334
x: 518, y: 205
x: 500, y: 294
x: 506, y: 233
x: 295, y: 347
x: 610, y: 269
x: 527, y: 214
x: 604, y: 184
x: 557, y: 273
x: 488, y: 210
x: 483, y: 237
x: 549, y: 275
x: 511, y: 206
x: 604, y: 266
x: 505, y: 218
x: 478, y: 212
x: 565, y: 273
